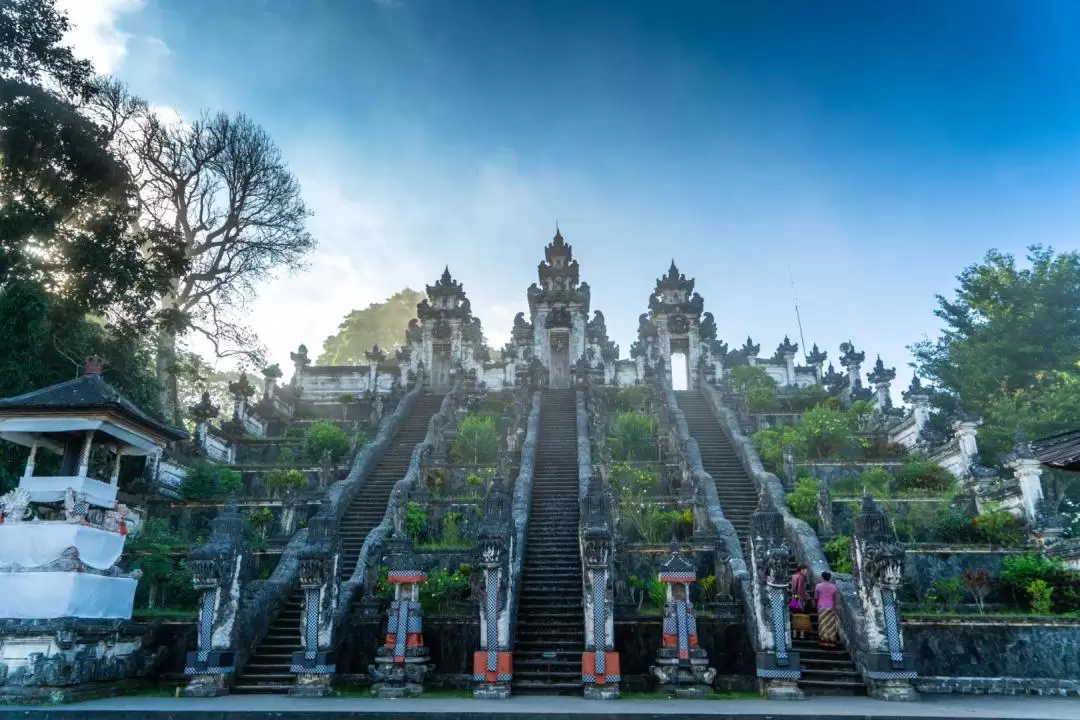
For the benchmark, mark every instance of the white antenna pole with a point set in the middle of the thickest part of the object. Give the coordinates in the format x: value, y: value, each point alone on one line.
x: 798, y: 317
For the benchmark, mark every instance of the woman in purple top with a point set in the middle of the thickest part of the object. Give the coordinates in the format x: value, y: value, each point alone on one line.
x: 828, y: 622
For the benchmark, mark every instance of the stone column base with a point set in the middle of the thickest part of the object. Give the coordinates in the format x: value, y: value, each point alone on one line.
x: 690, y: 692
x: 311, y: 685
x: 781, y: 689
x: 206, y: 686
x: 388, y: 690
x: 601, y: 692
x: 891, y: 690
x: 491, y: 691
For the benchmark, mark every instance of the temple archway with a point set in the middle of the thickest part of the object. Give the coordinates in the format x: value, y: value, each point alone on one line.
x: 680, y: 371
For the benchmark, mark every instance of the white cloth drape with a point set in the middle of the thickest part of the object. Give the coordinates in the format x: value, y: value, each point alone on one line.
x: 45, y: 595
x: 33, y: 544
x: 44, y: 489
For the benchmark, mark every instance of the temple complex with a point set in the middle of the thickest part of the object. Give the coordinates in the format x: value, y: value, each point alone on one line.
x: 557, y: 520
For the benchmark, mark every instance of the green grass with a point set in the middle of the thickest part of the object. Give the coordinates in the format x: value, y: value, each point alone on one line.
x: 164, y: 612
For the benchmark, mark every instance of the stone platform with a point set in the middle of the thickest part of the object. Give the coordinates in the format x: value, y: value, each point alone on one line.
x: 546, y: 708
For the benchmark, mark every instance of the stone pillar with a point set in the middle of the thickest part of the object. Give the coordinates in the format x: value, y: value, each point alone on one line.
x: 600, y: 670
x: 881, y: 378
x: 966, y: 432
x: 493, y: 663
x: 221, y: 569
x: 300, y: 361
x: 1028, y: 472
x: 681, y: 665
x: 826, y: 525
x: 878, y: 569
x: 791, y: 475
x: 202, y: 413
x: 778, y: 668
x: 270, y: 379
x: 319, y: 563
x: 402, y: 664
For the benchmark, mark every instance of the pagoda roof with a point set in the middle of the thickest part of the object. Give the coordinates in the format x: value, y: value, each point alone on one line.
x: 1060, y: 451
x: 87, y: 394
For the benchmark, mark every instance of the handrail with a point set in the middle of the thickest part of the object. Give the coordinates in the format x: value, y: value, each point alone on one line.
x: 729, y: 538
x: 803, y: 540
x: 264, y: 598
x: 520, y: 510
x: 399, y: 498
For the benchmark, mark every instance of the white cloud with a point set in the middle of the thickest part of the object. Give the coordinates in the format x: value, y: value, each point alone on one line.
x: 96, y: 35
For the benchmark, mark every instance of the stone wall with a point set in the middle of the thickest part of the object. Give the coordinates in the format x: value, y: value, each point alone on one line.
x: 726, y: 642
x: 924, y: 565
x: 325, y: 383
x: 996, y: 655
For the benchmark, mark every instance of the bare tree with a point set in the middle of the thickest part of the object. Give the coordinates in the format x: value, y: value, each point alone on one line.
x: 222, y: 184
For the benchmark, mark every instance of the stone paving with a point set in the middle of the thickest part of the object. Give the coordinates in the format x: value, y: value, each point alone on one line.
x: 951, y: 707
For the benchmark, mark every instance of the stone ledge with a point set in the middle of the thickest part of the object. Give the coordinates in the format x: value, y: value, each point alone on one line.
x: 997, y: 686
x: 914, y: 619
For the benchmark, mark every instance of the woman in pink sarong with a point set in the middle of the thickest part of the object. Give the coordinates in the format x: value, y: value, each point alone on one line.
x: 800, y: 599
x: 828, y: 621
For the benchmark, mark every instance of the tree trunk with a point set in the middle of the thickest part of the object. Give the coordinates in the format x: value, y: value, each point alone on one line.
x: 168, y: 389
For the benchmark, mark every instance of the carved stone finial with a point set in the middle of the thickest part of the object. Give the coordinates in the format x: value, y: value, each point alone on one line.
x: 95, y: 364
x: 204, y: 410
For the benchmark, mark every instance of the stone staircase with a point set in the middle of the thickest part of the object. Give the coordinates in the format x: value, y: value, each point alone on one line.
x: 738, y: 496
x: 550, y: 633
x: 267, y: 671
x: 824, y: 672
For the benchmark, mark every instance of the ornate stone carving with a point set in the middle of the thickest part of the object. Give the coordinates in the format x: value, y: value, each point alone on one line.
x: 878, y: 565
x: 402, y: 663
x: 220, y: 570
x: 681, y: 665
x: 15, y: 505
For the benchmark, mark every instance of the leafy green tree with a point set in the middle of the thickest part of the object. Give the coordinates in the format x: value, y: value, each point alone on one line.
x: 755, y: 384
x: 382, y: 323
x: 1010, y: 351
x: 477, y: 440
x: 323, y: 435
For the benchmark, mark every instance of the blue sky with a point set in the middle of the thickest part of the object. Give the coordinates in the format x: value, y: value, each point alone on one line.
x: 871, y: 151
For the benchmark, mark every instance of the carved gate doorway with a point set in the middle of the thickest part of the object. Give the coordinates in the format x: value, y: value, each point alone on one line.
x: 440, y: 368
x: 560, y: 359
x: 679, y: 363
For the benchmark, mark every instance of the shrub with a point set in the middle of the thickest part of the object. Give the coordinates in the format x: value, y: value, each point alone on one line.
x: 825, y: 431
x: 416, y: 521
x: 924, y: 477
x: 443, y: 589
x: 260, y: 518
x: 877, y: 480
x: 285, y: 455
x: 949, y: 593
x: 281, y: 479
x: 838, y: 552
x: 1040, y: 593
x: 630, y: 482
x: 657, y: 593
x: 451, y: 529
x: 474, y: 481
x: 755, y: 384
x: 635, y: 398
x: 952, y: 526
x: 477, y: 440
x: 980, y: 584
x: 1018, y: 572
x: 803, y: 398
x: 803, y: 501
x: 634, y: 436
x: 323, y: 435
x: 1000, y: 527
x: 361, y: 439
x: 206, y: 481
x: 708, y: 588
